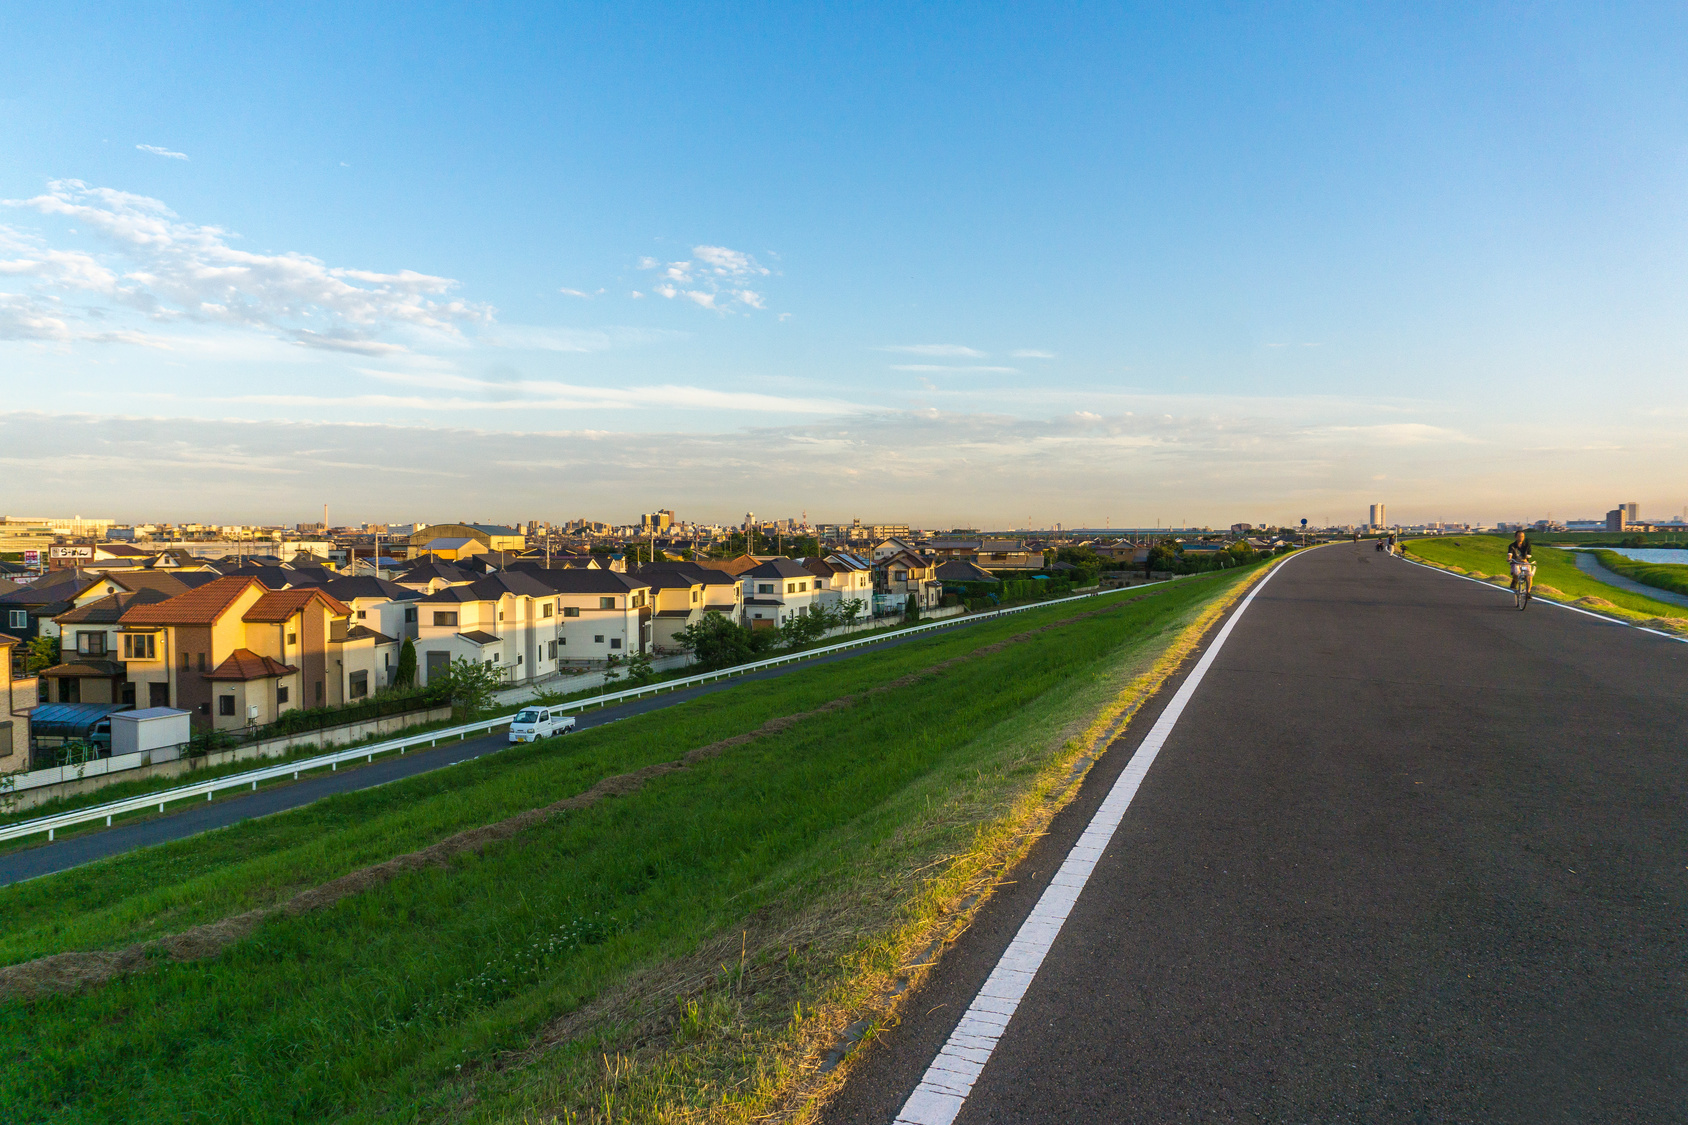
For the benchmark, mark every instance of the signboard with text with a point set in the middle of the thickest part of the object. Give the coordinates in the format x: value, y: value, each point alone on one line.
x: 73, y: 552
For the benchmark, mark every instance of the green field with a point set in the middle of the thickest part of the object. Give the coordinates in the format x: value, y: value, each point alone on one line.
x: 400, y: 1002
x: 1666, y: 576
x: 1557, y: 575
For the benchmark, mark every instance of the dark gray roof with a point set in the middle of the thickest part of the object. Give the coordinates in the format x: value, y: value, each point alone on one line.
x: 478, y: 637
x: 108, y: 609
x: 496, y: 585
x: 779, y: 568
x: 960, y: 570
x: 693, y: 573
x: 585, y: 581
x: 369, y: 586
x: 360, y: 632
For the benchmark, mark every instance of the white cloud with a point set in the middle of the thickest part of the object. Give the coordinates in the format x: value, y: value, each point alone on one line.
x: 952, y: 370
x: 156, y: 151
x: 581, y: 293
x: 163, y: 269
x: 933, y: 349
x: 713, y: 278
x: 1031, y: 353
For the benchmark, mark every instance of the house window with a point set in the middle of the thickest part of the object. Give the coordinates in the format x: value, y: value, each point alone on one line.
x: 184, y: 662
x: 546, y: 611
x: 638, y: 599
x: 694, y: 597
x: 204, y: 708
x: 519, y: 658
x: 293, y: 638
x: 449, y: 619
x: 17, y: 619
x: 360, y: 615
x: 386, y: 660
x: 500, y: 615
x: 138, y: 646
x: 615, y: 642
x: 201, y: 661
x: 791, y: 587
x: 410, y: 614
x: 91, y: 644
x: 764, y: 587
x: 553, y: 653
x: 280, y: 695
x: 606, y: 603
x: 571, y: 611
x: 359, y: 685
x: 225, y: 705
x: 598, y: 640
x: 562, y: 640
x: 319, y: 692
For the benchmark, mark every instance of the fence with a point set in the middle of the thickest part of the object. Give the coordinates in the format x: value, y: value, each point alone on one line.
x: 251, y: 778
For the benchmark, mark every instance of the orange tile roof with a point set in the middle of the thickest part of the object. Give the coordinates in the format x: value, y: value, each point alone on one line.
x: 244, y: 664
x: 277, y: 606
x: 196, y: 607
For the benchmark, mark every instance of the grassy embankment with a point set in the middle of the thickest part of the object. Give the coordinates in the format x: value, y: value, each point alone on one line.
x: 1557, y: 577
x: 721, y: 924
x: 123, y: 789
x: 1665, y: 576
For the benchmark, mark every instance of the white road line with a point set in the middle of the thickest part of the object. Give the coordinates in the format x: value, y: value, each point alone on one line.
x: 947, y: 1082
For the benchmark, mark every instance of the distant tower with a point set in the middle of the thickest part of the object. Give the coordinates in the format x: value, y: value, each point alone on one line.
x: 1632, y: 512
x: 1378, y: 517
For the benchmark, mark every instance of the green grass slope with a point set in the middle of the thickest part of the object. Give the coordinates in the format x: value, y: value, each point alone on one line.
x: 1484, y: 556
x: 375, y: 1008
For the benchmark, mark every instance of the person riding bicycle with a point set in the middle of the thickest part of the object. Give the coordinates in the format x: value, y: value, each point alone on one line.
x: 1518, y: 556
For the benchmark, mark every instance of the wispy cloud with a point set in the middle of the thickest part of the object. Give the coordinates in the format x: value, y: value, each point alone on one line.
x: 713, y: 278
x: 948, y: 369
x: 581, y: 293
x: 156, y: 151
x: 158, y: 267
x: 933, y: 350
x: 1031, y: 353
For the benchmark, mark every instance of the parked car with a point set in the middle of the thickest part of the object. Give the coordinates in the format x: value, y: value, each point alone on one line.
x: 534, y: 723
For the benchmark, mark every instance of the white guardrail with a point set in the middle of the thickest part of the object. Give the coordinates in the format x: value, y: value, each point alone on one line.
x: 249, y: 779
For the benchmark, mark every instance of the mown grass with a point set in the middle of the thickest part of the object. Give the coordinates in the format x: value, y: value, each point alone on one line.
x: 368, y: 1008
x: 1484, y: 556
x: 1665, y: 576
x: 261, y: 861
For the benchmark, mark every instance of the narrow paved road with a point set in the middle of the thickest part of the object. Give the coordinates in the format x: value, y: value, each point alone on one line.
x: 190, y: 819
x: 1407, y: 854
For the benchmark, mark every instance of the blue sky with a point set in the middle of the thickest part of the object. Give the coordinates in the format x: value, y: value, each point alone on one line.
x: 1011, y: 265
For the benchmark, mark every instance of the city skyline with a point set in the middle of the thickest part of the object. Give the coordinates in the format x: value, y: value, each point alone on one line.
x: 956, y: 267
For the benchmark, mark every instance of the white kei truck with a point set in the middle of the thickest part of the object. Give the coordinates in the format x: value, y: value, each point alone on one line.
x: 534, y: 723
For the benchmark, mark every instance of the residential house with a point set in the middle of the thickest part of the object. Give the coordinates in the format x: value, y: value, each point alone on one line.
x: 28, y: 612
x: 682, y: 593
x: 603, y: 613
x: 531, y: 622
x: 431, y: 573
x: 942, y: 549
x: 888, y: 547
x: 1009, y: 554
x: 234, y: 653
x: 17, y: 696
x: 778, y: 590
x: 960, y: 572
x: 843, y: 577
x: 905, y: 575
x: 377, y: 604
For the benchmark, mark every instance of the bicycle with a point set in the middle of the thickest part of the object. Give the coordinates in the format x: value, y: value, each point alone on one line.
x: 1523, y: 583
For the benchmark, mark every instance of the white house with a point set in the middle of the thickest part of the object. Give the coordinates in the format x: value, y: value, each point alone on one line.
x: 379, y: 605
x: 777, y: 591
x: 843, y: 577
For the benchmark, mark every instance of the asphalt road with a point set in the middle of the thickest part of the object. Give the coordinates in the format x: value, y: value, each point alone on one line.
x: 189, y: 819
x: 1407, y: 855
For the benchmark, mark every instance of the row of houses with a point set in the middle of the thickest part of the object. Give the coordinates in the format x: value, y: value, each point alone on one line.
x: 240, y: 644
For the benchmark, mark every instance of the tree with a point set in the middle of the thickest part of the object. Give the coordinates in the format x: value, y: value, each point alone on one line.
x: 639, y: 670
x: 405, y: 675
x: 469, y: 684
x: 612, y: 670
x: 912, y: 610
x: 719, y: 643
x: 849, y: 611
x: 43, y: 653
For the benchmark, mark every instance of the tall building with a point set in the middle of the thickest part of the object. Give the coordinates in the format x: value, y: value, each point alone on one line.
x: 1632, y: 512
x: 1378, y: 517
